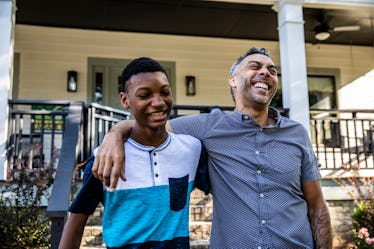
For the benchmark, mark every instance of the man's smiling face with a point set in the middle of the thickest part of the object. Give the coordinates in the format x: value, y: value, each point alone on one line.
x: 255, y: 80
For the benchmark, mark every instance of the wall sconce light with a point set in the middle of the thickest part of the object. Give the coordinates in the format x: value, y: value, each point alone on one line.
x: 190, y: 85
x: 72, y: 81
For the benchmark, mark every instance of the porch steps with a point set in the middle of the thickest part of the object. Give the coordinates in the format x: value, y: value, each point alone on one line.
x: 201, y: 208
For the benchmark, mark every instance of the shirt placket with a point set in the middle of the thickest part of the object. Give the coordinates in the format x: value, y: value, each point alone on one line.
x: 155, y: 166
x: 261, y: 193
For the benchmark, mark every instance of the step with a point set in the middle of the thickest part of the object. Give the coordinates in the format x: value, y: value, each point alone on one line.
x: 201, y: 244
x: 199, y: 235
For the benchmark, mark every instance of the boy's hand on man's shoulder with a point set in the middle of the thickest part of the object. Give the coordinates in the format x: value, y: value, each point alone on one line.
x: 109, y: 160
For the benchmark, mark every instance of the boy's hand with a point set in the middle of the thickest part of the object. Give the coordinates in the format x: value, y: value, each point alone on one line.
x: 109, y: 160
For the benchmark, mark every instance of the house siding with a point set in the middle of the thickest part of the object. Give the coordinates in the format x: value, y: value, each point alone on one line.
x: 46, y: 54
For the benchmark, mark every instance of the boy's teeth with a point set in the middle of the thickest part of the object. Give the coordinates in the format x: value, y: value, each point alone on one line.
x: 157, y: 113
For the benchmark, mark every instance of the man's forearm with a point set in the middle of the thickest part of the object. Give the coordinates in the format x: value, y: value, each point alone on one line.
x: 321, y: 227
x: 123, y: 128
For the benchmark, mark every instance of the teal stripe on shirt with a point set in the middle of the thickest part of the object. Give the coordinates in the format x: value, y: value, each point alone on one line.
x: 126, y: 211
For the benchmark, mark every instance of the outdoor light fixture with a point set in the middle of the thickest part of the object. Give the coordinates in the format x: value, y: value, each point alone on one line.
x: 72, y: 81
x: 322, y: 36
x: 322, y: 31
x: 190, y: 85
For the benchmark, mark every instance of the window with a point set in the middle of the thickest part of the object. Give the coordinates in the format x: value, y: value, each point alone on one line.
x: 321, y: 91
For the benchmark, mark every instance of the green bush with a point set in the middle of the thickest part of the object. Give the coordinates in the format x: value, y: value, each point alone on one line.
x: 360, y: 188
x: 23, y: 223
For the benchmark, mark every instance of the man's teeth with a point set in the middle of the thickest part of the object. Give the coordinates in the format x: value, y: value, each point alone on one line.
x: 262, y: 85
x: 157, y: 113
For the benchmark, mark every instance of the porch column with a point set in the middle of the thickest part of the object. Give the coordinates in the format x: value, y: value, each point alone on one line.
x: 293, y: 62
x: 7, y: 25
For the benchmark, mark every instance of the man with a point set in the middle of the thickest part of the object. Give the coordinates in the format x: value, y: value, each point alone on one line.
x: 151, y: 209
x: 263, y: 171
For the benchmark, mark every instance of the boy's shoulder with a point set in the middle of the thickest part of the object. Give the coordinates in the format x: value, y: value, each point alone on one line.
x: 190, y: 143
x: 185, y: 137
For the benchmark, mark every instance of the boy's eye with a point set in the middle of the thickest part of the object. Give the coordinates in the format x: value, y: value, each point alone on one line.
x: 165, y: 93
x: 143, y: 95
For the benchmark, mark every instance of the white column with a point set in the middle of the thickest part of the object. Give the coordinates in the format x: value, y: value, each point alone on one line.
x: 7, y: 25
x: 293, y: 62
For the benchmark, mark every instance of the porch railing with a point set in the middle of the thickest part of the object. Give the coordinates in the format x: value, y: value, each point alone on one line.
x: 68, y: 131
x: 343, y: 137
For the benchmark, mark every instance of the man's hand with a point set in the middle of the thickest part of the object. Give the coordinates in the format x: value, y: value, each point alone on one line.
x: 110, y: 154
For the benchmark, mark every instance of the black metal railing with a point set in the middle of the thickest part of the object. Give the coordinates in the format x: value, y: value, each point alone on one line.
x: 343, y: 137
x: 98, y: 121
x: 36, y: 130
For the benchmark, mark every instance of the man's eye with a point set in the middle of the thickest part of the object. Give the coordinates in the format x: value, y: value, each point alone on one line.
x: 273, y: 71
x: 254, y: 66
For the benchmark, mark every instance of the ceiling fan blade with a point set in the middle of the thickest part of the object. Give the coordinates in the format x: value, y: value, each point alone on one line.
x: 346, y: 28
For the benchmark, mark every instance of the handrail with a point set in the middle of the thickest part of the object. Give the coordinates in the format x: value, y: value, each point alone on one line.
x: 60, y: 194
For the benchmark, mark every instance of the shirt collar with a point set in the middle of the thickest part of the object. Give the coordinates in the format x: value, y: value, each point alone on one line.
x: 247, y: 119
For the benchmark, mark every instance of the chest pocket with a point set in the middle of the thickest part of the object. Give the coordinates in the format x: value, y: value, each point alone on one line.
x: 286, y: 158
x: 178, y: 192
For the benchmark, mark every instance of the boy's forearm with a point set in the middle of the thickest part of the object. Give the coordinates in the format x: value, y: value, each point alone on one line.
x: 73, y: 231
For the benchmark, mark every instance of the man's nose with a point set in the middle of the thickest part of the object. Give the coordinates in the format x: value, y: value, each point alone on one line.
x: 264, y: 71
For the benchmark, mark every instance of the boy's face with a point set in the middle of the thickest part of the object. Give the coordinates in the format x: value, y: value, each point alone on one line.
x: 149, y: 98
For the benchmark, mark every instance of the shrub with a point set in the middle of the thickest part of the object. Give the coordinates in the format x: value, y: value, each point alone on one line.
x: 360, y: 188
x: 23, y: 223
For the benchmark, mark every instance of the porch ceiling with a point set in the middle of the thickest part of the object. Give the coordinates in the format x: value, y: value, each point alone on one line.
x: 192, y: 17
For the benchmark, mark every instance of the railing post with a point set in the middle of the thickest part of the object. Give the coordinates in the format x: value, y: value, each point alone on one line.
x: 57, y: 226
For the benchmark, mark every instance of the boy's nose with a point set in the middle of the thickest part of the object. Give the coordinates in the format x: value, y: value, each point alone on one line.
x: 157, y: 101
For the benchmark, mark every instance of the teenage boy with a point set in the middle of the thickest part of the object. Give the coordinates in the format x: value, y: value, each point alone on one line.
x: 151, y: 208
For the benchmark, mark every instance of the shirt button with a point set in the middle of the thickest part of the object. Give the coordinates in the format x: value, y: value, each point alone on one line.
x: 155, y: 163
x: 257, y: 152
x: 261, y: 195
x: 259, y: 172
x: 259, y: 247
x: 154, y: 153
x: 156, y: 175
x: 263, y: 222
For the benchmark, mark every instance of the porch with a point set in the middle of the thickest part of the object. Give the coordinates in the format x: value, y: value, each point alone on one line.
x: 40, y: 130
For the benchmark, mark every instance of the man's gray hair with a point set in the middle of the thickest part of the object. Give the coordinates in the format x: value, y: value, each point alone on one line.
x: 252, y: 50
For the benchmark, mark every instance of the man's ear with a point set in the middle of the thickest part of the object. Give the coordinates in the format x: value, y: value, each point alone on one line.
x: 124, y: 100
x: 232, y: 81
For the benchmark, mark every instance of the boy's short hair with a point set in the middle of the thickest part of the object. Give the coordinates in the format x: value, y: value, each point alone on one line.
x: 140, y: 65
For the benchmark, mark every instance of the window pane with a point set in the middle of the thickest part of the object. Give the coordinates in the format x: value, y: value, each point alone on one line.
x: 321, y: 90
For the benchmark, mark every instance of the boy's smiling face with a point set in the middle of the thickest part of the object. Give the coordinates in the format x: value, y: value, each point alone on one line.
x: 149, y: 98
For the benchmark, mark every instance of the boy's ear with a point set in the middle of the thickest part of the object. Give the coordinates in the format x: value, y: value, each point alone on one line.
x: 124, y: 100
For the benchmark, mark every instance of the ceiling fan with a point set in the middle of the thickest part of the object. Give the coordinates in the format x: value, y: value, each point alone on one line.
x: 323, y: 30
